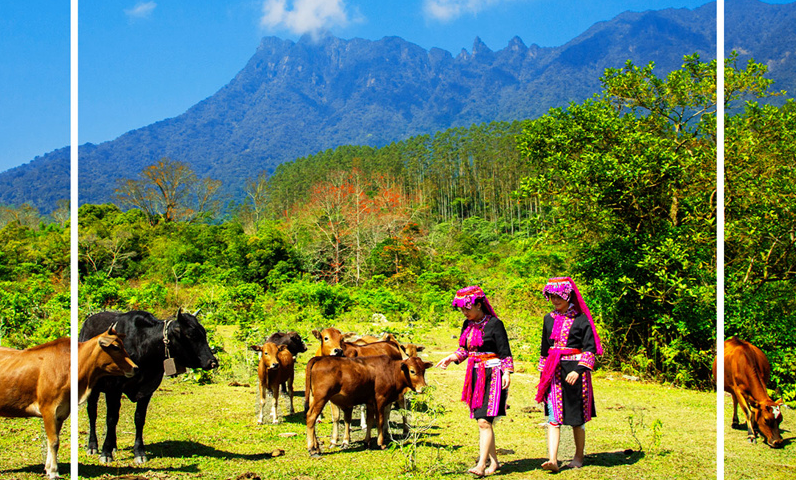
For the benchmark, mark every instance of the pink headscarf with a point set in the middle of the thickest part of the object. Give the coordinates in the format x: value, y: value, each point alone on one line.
x: 473, y: 331
x: 564, y: 287
x: 467, y: 296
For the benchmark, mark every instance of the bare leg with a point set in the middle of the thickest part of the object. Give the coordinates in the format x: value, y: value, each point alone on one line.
x: 553, y: 437
x: 486, y: 437
x: 493, y: 461
x: 580, y: 444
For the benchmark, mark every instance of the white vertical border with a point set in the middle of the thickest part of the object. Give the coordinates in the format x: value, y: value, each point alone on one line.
x: 73, y: 199
x: 720, y: 239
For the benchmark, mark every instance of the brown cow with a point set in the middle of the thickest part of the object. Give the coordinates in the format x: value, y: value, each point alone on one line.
x: 376, y: 381
x: 36, y: 382
x: 409, y: 349
x: 333, y: 344
x: 276, y: 368
x: 746, y: 373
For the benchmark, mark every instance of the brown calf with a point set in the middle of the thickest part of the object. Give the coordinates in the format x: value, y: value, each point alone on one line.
x: 276, y: 368
x: 35, y: 382
x: 746, y: 373
x: 375, y: 381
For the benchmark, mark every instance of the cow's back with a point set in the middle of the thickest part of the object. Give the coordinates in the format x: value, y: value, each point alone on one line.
x: 744, y: 364
x: 387, y: 348
x: 28, y: 376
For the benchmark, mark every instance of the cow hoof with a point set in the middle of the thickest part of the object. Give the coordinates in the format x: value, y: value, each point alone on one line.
x: 140, y: 459
x: 314, y: 453
x: 105, y: 458
x: 92, y: 450
x: 383, y: 447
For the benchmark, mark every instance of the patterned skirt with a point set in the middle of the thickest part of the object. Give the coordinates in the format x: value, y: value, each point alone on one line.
x: 481, y: 412
x: 572, y: 404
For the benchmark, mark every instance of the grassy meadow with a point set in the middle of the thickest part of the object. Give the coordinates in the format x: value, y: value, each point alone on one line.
x: 23, y: 449
x: 643, y: 430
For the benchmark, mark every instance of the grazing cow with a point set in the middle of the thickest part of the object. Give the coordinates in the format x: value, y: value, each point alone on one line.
x: 150, y: 342
x: 375, y: 381
x: 292, y: 340
x: 275, y: 369
x: 36, y: 382
x: 746, y: 373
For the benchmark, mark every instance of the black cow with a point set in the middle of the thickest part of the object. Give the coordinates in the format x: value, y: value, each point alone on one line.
x: 292, y: 340
x: 144, y: 341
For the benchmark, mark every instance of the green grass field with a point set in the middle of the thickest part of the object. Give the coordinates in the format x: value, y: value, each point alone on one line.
x: 750, y: 461
x: 23, y: 451
x: 642, y: 431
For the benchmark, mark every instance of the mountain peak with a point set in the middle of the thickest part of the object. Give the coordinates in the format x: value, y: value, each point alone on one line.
x: 480, y: 48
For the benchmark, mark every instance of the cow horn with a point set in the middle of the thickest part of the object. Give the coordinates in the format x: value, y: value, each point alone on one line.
x: 197, y: 312
x: 112, y: 328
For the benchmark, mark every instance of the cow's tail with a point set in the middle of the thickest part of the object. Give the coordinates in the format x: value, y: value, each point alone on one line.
x: 308, y: 384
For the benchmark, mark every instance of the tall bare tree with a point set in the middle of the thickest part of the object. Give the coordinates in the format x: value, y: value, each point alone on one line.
x: 169, y: 190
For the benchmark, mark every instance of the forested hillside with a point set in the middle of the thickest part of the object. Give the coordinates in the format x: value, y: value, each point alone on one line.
x: 618, y: 191
x: 294, y: 99
x: 34, y: 276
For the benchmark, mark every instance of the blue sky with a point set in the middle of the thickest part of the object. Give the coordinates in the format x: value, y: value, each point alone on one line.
x: 141, y: 61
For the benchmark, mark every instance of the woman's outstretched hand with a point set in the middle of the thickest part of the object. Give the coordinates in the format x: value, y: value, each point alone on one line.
x: 443, y: 364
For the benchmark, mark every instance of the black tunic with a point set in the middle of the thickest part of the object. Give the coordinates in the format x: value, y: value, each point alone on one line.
x: 496, y: 340
x: 581, y: 337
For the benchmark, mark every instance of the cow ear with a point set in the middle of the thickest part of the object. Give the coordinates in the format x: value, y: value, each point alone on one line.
x: 256, y: 348
x: 753, y: 404
x: 317, y: 334
x: 421, y: 348
x: 104, y: 341
x: 281, y: 348
x: 428, y: 364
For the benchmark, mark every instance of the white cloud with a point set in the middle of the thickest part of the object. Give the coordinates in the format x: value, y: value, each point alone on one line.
x: 304, y: 16
x: 141, y: 10
x: 447, y: 10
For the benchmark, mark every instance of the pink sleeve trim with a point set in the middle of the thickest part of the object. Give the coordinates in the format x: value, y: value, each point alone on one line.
x: 507, y: 364
x: 587, y: 359
x: 461, y: 354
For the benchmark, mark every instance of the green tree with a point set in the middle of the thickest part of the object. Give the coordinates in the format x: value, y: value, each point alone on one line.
x: 628, y: 178
x: 760, y: 227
